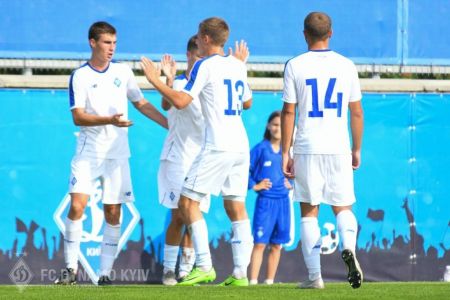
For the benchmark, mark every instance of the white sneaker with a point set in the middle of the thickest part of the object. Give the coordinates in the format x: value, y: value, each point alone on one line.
x: 169, y: 278
x: 312, y: 284
x: 253, y: 281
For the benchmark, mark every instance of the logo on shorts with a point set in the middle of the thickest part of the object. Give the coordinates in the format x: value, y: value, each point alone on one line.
x: 128, y: 194
x: 172, y: 196
x: 117, y: 82
x: 74, y: 180
x: 260, y: 232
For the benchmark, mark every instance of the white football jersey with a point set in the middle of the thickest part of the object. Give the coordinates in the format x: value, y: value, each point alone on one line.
x: 103, y: 94
x: 220, y: 82
x: 321, y: 83
x: 186, y: 129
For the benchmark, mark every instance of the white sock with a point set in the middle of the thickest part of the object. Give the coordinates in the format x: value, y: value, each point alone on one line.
x: 311, y: 241
x: 199, y: 235
x: 72, y: 238
x: 187, y: 261
x: 242, y: 246
x: 347, y: 227
x: 110, y: 242
x: 268, y: 281
x: 253, y: 281
x: 170, y: 257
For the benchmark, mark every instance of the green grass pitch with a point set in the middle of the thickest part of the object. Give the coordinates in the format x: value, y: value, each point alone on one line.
x: 332, y: 291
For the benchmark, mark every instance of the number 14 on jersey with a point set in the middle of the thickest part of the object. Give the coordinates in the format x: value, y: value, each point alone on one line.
x: 316, y: 112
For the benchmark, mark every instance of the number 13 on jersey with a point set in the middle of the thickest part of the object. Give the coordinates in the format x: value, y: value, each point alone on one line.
x: 316, y: 112
x: 239, y: 89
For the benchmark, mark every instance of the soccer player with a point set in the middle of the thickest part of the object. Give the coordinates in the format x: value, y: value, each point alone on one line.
x: 183, y: 143
x: 272, y: 217
x: 323, y: 86
x: 98, y: 94
x: 220, y: 83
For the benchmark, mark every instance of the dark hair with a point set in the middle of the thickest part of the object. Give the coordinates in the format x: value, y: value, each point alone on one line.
x: 317, y: 25
x: 216, y: 28
x: 192, y: 43
x: 272, y: 116
x: 99, y: 28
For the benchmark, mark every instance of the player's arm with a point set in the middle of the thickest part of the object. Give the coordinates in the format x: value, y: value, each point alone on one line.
x: 287, y: 131
x: 178, y: 99
x: 147, y: 109
x: 357, y: 126
x: 81, y: 118
x: 169, y: 68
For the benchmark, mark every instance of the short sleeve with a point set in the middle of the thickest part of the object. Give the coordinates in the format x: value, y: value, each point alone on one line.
x: 134, y: 93
x: 289, y: 90
x: 77, y: 92
x: 355, y: 91
x: 197, y: 79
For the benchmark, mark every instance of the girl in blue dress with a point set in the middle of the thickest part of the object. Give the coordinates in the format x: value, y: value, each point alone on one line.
x: 271, y: 220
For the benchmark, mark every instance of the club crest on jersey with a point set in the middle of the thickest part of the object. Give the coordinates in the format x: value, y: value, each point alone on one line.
x: 117, y: 82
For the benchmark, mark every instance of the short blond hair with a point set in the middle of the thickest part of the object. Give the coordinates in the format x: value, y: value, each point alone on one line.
x: 216, y: 28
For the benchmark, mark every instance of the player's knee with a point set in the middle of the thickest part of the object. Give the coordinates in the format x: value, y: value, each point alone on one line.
x: 77, y: 209
x: 183, y: 205
x: 259, y: 247
x: 235, y: 212
x: 177, y: 220
x: 275, y: 247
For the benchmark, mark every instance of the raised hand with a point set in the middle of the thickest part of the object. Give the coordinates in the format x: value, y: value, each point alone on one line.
x: 151, y: 71
x: 168, y: 66
x: 241, y: 51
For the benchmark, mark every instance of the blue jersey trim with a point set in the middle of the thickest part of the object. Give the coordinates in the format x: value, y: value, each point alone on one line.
x: 320, y: 50
x: 71, y: 95
x: 98, y: 70
x: 181, y: 77
x: 285, y: 64
x: 194, y: 72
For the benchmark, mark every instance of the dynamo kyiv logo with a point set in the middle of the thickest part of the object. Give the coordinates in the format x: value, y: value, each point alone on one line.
x: 93, y: 226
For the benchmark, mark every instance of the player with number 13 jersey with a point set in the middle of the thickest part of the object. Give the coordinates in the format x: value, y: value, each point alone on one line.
x: 220, y: 82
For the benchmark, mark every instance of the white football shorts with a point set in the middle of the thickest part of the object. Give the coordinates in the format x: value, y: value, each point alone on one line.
x: 113, y: 174
x: 215, y: 172
x: 324, y: 178
x: 171, y: 177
